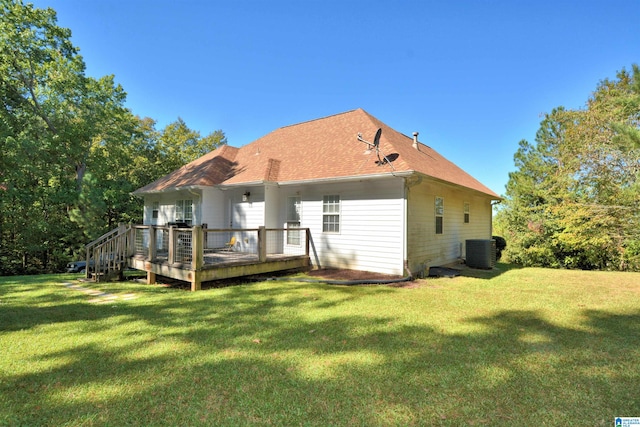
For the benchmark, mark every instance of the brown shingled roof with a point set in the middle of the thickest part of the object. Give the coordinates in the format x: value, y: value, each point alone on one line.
x: 319, y: 149
x: 211, y: 169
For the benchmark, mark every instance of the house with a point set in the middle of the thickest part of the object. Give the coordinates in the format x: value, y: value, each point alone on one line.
x: 389, y: 204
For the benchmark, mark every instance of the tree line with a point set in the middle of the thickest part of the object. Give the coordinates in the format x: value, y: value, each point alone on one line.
x: 574, y: 199
x: 71, y: 153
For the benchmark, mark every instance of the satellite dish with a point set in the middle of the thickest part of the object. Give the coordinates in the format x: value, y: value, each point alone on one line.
x: 376, y: 139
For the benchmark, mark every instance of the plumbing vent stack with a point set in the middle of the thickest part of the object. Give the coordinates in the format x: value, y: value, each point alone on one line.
x: 415, y: 140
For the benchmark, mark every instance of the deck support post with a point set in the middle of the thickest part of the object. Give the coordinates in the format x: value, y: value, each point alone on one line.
x: 151, y: 278
x: 197, y: 257
x: 262, y: 244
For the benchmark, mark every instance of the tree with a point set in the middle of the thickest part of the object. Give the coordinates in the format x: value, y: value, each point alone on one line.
x: 574, y: 199
x: 51, y: 115
x: 179, y: 145
x: 70, y: 152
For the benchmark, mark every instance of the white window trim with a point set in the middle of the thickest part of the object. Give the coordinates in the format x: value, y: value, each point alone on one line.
x: 338, y: 214
x: 155, y: 209
x: 466, y: 214
x: 439, y: 213
x: 180, y: 213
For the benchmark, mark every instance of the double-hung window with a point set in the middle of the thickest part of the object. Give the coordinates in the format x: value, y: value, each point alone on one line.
x: 294, y: 209
x: 184, y: 211
x: 439, y: 215
x: 155, y: 212
x: 466, y: 212
x: 331, y: 214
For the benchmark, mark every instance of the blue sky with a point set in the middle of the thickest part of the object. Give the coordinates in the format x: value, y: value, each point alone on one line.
x: 473, y: 77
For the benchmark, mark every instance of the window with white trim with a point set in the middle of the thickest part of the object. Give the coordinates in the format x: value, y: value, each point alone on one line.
x: 466, y: 212
x: 294, y: 209
x: 155, y: 212
x: 331, y: 214
x: 184, y: 211
x: 439, y: 215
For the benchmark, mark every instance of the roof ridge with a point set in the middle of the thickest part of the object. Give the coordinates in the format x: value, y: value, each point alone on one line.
x: 323, y: 118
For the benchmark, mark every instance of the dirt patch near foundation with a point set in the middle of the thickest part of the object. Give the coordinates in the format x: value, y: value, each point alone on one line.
x: 341, y: 274
x: 344, y: 274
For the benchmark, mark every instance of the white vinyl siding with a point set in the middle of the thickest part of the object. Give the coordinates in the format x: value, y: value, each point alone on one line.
x: 249, y: 214
x: 215, y: 208
x: 425, y: 248
x: 371, y: 225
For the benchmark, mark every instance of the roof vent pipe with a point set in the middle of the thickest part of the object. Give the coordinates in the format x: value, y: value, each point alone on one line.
x: 415, y: 140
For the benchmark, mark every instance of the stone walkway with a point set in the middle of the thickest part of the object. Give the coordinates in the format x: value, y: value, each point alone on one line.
x: 98, y: 296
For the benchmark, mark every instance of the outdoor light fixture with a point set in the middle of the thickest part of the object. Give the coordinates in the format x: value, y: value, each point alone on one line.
x: 245, y: 196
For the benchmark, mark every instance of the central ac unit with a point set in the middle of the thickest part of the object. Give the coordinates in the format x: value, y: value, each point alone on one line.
x: 481, y: 253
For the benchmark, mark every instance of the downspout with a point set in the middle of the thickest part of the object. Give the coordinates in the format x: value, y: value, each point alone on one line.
x: 410, y: 182
x: 405, y: 228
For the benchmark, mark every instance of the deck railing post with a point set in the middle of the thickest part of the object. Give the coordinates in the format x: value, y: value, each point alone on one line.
x: 306, y: 235
x: 197, y: 257
x: 171, y: 254
x: 131, y: 241
x: 262, y: 244
x: 122, y: 248
x: 151, y: 250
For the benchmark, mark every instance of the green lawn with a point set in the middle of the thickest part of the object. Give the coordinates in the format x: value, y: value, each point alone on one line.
x: 512, y: 347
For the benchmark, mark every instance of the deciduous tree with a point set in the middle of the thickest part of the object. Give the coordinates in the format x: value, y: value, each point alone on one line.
x: 574, y: 199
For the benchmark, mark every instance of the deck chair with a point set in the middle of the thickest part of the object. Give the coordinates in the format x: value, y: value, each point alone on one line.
x: 230, y: 244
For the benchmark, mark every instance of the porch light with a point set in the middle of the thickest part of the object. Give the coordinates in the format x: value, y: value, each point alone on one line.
x: 245, y: 196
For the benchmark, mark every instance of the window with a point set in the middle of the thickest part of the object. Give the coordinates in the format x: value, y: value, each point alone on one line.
x: 331, y: 214
x: 466, y: 212
x: 184, y: 211
x: 439, y: 214
x: 294, y: 208
x: 155, y: 210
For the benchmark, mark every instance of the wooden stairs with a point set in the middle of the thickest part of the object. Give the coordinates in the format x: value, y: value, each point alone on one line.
x: 109, y: 255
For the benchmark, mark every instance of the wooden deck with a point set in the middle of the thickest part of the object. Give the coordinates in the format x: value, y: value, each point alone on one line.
x: 197, y: 254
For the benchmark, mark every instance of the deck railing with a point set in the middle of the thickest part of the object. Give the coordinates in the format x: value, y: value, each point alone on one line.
x: 196, y: 247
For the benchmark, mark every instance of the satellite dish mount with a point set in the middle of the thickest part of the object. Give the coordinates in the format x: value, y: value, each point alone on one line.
x: 376, y: 141
x: 375, y: 145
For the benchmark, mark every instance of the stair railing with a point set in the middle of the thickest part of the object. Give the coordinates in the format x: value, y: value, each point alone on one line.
x: 108, y: 254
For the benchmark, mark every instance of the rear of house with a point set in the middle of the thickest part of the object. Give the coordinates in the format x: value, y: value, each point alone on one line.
x: 396, y: 208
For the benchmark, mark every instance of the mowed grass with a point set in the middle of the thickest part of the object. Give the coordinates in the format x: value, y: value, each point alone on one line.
x: 508, y: 347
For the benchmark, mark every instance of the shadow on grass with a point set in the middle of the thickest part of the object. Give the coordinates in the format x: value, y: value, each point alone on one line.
x: 300, y: 354
x: 478, y: 273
